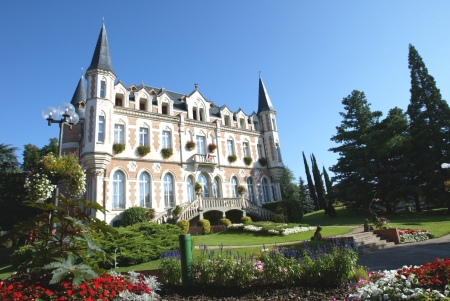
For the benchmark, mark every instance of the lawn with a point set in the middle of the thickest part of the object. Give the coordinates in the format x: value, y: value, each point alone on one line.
x: 434, y: 220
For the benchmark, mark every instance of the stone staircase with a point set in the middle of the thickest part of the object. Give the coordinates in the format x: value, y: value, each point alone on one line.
x: 368, y: 241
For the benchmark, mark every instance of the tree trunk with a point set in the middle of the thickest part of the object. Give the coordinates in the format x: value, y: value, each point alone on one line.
x: 417, y: 201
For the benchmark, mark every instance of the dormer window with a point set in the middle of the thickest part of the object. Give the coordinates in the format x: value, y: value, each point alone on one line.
x: 194, y: 113
x: 256, y: 125
x: 202, y: 115
x: 103, y: 88
x: 242, y: 123
x: 119, y: 100
x: 227, y: 120
x: 165, y: 108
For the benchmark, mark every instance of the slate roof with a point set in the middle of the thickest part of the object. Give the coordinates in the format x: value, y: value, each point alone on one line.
x: 264, y: 103
x: 102, y: 57
x: 79, y: 96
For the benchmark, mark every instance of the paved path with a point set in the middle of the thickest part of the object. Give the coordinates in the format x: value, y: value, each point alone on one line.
x: 417, y: 253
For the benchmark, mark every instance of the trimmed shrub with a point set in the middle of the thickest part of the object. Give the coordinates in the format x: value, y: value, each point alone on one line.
x: 248, y: 160
x: 141, y: 243
x: 262, y: 161
x: 225, y: 221
x: 184, y: 224
x: 291, y: 207
x: 218, y: 229
x: 206, y: 225
x: 279, y: 218
x: 195, y: 231
x: 232, y: 158
x: 166, y: 153
x: 246, y: 219
x: 118, y: 148
x: 143, y: 150
x: 133, y: 216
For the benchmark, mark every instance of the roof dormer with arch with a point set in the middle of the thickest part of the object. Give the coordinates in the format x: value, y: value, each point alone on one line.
x: 241, y: 118
x: 163, y: 99
x: 198, y: 101
x: 224, y: 113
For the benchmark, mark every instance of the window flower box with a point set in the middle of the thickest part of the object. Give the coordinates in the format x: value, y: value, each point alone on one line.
x: 262, y: 161
x: 212, y: 147
x: 190, y: 145
x: 143, y: 150
x: 166, y: 153
x: 232, y: 158
x: 118, y: 148
x: 248, y: 161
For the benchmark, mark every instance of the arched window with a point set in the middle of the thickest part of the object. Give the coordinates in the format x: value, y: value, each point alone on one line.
x: 201, y: 145
x: 103, y: 88
x: 203, y: 180
x: 144, y: 190
x: 143, y: 136
x: 251, y: 192
x: 118, y: 190
x: 190, y: 188
x: 234, y: 185
x: 265, y: 188
x: 101, y: 128
x: 168, y: 191
x: 216, y: 188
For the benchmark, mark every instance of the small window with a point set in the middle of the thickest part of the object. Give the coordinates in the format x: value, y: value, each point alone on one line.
x: 103, y: 89
x: 246, y: 149
x: 118, y: 133
x: 201, y: 145
x: 101, y: 129
x: 143, y: 104
x: 118, y: 190
x: 119, y: 102
x: 143, y: 136
x: 167, y: 143
x: 194, y: 113
x: 202, y: 115
x: 230, y: 147
x: 144, y: 190
x: 227, y: 120
x: 274, y: 126
x: 260, y: 151
x: 234, y: 191
x: 242, y: 123
x: 164, y: 109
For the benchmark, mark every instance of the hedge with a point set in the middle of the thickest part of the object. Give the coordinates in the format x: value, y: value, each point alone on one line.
x: 292, y: 208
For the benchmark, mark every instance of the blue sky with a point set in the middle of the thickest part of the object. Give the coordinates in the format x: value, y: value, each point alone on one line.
x: 311, y: 54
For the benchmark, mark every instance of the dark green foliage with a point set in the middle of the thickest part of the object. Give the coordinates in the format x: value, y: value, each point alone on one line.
x: 312, y: 189
x: 292, y: 209
x: 289, y: 190
x: 23, y: 255
x: 241, y: 189
x: 306, y: 202
x: 225, y: 221
x: 166, y: 153
x: 218, y: 229
x: 248, y: 160
x: 8, y: 158
x: 68, y: 267
x: 133, y: 216
x: 278, y: 218
x: 262, y: 161
x: 232, y: 158
x: 190, y: 145
x: 142, y: 242
x: 143, y: 150
x: 320, y: 189
x: 206, y: 225
x: 33, y: 154
x: 246, y: 219
x: 328, y: 183
x: 184, y: 225
x: 118, y: 148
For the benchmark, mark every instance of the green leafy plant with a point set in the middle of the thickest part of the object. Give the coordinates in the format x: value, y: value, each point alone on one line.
x: 248, y: 161
x: 143, y: 150
x: 190, y: 145
x: 292, y: 208
x: 177, y: 210
x: 150, y: 213
x: 166, y: 153
x: 184, y: 224
x: 279, y: 218
x: 118, y: 148
x: 206, y: 225
x: 382, y: 223
x: 262, y: 161
x: 133, y: 216
x: 246, y: 219
x: 197, y: 187
x: 225, y: 221
x: 241, y: 189
x: 232, y: 158
x: 64, y: 267
x: 212, y: 147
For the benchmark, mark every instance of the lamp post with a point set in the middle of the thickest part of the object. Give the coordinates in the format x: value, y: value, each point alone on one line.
x: 69, y: 117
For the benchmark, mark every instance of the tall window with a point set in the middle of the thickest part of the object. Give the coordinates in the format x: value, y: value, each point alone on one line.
x: 201, y: 145
x: 103, y: 88
x: 203, y: 180
x: 277, y: 147
x: 118, y: 133
x: 144, y: 190
x: 230, y: 147
x: 227, y: 120
x: 242, y: 123
x: 265, y: 188
x: 168, y: 191
x: 274, y: 126
x: 246, y: 149
x: 216, y: 189
x: 251, y: 192
x: 260, y: 151
x: 190, y: 187
x: 118, y: 190
x: 256, y: 124
x: 167, y: 143
x: 143, y: 136
x: 101, y: 129
x: 234, y: 192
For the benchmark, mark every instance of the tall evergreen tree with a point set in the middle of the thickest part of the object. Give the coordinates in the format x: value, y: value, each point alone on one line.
x: 354, y: 171
x: 320, y: 189
x: 312, y: 189
x: 306, y: 201
x: 429, y: 129
x: 8, y: 158
x: 289, y: 190
x: 328, y: 183
x: 33, y: 154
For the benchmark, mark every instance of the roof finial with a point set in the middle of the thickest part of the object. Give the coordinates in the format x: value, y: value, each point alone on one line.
x: 82, y: 71
x: 103, y: 20
x: 196, y: 86
x: 259, y: 73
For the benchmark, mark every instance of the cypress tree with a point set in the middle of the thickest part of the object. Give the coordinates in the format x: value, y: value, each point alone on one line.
x: 328, y: 183
x: 429, y: 130
x: 312, y: 189
x: 306, y: 201
x: 320, y: 189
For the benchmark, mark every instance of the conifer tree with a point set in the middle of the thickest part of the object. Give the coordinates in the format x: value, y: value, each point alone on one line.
x: 320, y: 189
x: 328, y: 183
x: 306, y: 201
x: 312, y: 189
x: 429, y: 130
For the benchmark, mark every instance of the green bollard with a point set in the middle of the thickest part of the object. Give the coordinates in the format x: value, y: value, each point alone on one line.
x: 187, y: 275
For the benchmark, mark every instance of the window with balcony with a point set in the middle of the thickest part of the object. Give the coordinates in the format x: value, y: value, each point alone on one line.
x: 203, y: 180
x: 190, y: 189
x: 250, y: 190
x: 230, y: 147
x: 216, y: 188
x: 201, y: 147
x: 260, y: 151
x: 246, y: 149
x: 265, y: 190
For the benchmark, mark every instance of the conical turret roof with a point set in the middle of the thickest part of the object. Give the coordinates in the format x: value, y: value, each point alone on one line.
x: 102, y: 57
x: 264, y: 103
x: 79, y: 98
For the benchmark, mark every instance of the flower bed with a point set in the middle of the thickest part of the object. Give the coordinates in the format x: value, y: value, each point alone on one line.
x: 407, y: 236
x: 271, y: 228
x: 134, y: 286
x: 428, y: 282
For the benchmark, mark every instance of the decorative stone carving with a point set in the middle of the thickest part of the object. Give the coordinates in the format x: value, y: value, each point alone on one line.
x: 132, y: 166
x: 242, y: 172
x: 157, y: 167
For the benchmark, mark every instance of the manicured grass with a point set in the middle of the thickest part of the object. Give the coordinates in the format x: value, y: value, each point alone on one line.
x: 434, y: 220
x: 6, y: 271
x: 237, y: 238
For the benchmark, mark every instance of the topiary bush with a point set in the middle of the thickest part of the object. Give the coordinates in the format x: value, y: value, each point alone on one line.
x: 141, y: 243
x: 225, y: 221
x: 246, y: 219
x: 133, y: 216
x: 184, y: 225
x: 279, y: 218
x: 218, y: 229
x: 206, y: 225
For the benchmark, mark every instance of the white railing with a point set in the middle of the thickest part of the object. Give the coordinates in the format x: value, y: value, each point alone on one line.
x: 222, y: 203
x: 190, y: 211
x: 198, y: 158
x: 263, y: 213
